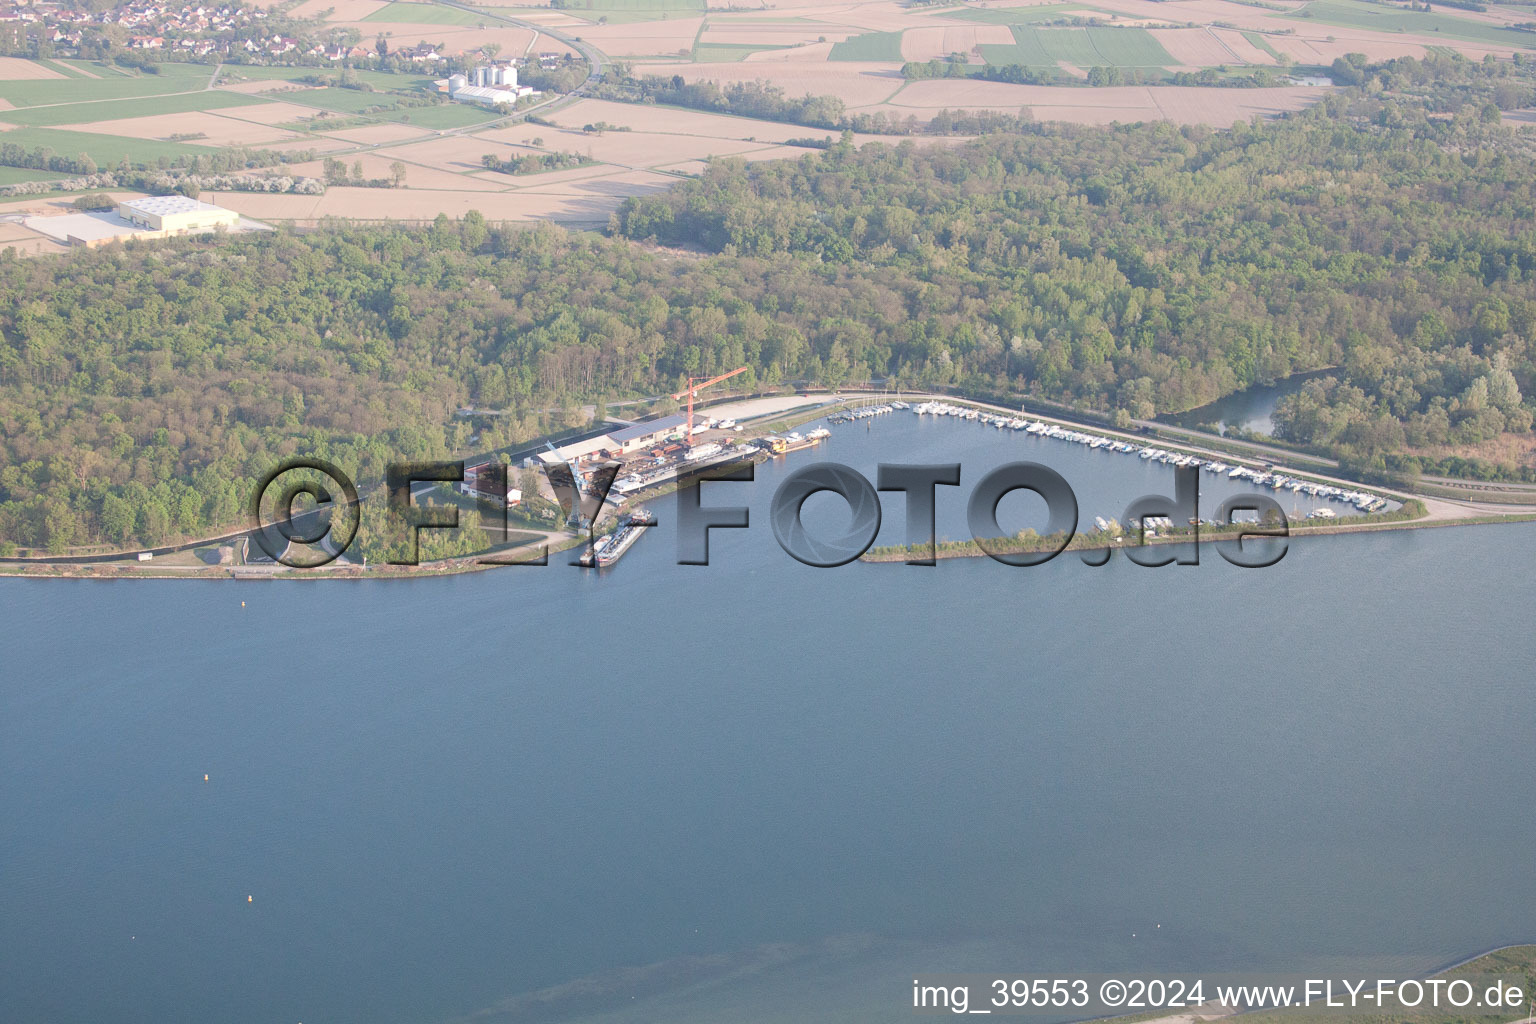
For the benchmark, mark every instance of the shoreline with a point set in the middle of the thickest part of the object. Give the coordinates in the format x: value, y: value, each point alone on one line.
x: 1211, y: 535
x: 884, y: 556
x: 1433, y: 512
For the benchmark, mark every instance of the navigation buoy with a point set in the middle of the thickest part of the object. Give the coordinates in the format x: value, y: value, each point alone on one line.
x: 205, y: 776
x: 248, y: 899
x: 242, y: 604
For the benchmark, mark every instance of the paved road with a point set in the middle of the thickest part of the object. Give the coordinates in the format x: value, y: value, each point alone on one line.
x: 1268, y: 452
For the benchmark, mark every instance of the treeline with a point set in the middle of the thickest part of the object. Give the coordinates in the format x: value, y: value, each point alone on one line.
x: 564, y: 78
x: 41, y: 158
x: 536, y: 163
x: 748, y: 99
x: 157, y: 182
x: 1254, y: 78
x: 759, y: 99
x: 1017, y: 74
x: 1442, y: 84
x: 1097, y: 77
x: 1152, y: 269
x: 216, y: 161
x: 1137, y: 268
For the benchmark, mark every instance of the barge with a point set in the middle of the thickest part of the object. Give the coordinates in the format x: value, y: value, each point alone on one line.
x: 611, y: 548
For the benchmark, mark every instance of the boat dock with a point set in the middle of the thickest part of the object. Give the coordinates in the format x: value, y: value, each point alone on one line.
x: 1271, y: 479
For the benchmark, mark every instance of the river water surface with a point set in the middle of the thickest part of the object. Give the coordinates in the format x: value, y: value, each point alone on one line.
x: 757, y: 790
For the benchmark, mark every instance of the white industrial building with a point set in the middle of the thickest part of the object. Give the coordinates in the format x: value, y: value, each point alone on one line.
x: 175, y: 215
x: 491, y: 76
x: 146, y: 218
x: 488, y: 85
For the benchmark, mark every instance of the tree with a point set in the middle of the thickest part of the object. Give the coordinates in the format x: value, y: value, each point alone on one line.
x: 116, y: 518
x: 154, y: 521
x: 397, y: 173
x: 473, y: 230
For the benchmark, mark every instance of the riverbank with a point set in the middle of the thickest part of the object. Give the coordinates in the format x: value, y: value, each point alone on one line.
x: 1099, y: 540
x: 768, y: 415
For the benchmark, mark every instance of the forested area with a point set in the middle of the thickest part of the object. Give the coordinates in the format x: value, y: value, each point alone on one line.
x: 1149, y: 270
x: 1097, y: 77
x: 1133, y: 270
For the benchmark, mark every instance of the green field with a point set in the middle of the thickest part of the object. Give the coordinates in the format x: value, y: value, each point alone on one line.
x: 68, y: 71
x: 113, y: 110
x: 12, y: 175
x: 425, y: 14
x: 712, y: 53
x: 1386, y: 19
x: 869, y: 46
x: 104, y: 149
x: 1257, y: 39
x: 1081, y: 47
x: 1129, y: 48
x: 1019, y: 15
x: 172, y: 78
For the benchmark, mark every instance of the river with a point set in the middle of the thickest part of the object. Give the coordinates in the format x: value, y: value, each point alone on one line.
x: 1252, y: 409
x: 757, y: 790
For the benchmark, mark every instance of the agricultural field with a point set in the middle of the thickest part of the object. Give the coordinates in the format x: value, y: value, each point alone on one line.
x: 1020, y: 15
x: 55, y: 87
x: 624, y: 11
x: 12, y: 175
x: 1257, y: 39
x: 1081, y: 47
x: 709, y: 53
x: 103, y: 148
x: 869, y: 46
x: 853, y: 50
x: 424, y: 14
x: 1373, y: 16
x: 111, y: 110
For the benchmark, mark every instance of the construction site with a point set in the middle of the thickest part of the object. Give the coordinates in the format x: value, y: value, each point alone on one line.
x: 647, y: 456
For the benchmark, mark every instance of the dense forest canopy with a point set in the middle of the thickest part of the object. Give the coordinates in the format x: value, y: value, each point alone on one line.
x: 1133, y: 270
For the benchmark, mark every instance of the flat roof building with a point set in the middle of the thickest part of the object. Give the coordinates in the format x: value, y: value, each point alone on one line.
x: 578, y: 449
x: 643, y: 435
x: 152, y: 217
x: 175, y: 215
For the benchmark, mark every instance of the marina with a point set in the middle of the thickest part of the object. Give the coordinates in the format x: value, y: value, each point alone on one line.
x: 666, y: 468
x: 1273, y: 480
